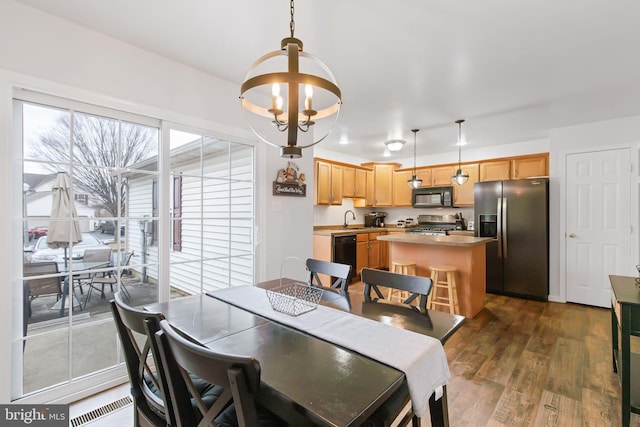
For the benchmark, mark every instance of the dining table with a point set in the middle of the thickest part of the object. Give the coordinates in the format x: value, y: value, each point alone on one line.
x: 308, y: 380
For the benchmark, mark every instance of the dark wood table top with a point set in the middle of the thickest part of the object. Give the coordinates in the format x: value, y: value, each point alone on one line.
x: 298, y: 371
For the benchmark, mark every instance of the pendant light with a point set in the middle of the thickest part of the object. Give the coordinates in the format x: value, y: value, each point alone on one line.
x: 303, y: 96
x: 414, y: 182
x: 460, y: 177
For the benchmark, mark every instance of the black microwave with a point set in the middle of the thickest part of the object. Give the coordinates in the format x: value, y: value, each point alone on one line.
x: 432, y: 197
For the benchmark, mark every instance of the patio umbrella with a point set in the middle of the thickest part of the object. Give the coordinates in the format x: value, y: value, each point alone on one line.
x: 64, y: 229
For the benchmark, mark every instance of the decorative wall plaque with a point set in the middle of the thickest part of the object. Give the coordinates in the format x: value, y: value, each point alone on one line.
x: 289, y: 183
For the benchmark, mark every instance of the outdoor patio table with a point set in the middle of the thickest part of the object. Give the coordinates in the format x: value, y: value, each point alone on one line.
x: 73, y: 267
x: 347, y: 386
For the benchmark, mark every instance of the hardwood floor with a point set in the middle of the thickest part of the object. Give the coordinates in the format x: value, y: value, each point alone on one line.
x: 529, y: 363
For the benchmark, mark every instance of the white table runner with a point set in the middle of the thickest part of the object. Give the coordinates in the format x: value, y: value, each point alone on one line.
x: 420, y: 357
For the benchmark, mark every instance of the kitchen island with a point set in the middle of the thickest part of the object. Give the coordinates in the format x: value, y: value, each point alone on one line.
x: 467, y: 254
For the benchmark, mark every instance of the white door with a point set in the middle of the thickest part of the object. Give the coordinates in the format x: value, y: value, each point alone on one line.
x: 598, y: 224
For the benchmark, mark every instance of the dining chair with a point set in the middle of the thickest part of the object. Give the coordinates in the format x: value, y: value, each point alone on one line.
x: 239, y: 375
x: 147, y: 388
x: 91, y: 255
x: 418, y: 286
x: 340, y: 273
x: 110, y: 278
x: 42, y: 286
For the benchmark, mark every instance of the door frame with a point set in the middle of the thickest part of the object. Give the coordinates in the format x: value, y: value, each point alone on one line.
x: 634, y: 178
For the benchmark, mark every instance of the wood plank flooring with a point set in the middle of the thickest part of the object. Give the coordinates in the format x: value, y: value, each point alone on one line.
x: 529, y: 363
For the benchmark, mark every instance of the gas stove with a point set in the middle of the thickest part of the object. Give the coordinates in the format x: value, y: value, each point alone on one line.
x: 435, y: 225
x: 427, y: 231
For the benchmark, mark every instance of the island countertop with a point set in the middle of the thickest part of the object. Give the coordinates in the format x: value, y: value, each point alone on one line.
x: 421, y: 239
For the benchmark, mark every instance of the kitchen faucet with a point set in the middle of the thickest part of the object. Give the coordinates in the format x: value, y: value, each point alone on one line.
x: 353, y: 216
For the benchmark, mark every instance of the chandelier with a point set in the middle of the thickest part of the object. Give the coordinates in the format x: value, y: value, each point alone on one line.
x: 414, y: 182
x: 460, y: 177
x: 289, y: 91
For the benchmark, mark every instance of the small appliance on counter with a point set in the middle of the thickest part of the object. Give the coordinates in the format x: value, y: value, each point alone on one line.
x: 374, y: 219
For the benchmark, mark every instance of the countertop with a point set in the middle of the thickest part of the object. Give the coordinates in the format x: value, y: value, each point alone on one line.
x: 339, y: 231
x: 452, y: 240
x: 355, y: 230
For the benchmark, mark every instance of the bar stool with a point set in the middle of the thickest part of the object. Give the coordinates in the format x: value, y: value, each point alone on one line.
x: 401, y: 267
x: 448, y: 285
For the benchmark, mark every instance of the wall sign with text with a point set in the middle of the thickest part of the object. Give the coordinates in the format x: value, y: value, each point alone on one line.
x: 289, y: 183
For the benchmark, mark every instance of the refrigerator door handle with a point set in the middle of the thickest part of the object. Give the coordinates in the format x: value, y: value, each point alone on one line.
x: 499, y: 226
x: 504, y: 225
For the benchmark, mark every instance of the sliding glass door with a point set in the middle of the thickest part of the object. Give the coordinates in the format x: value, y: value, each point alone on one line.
x: 111, y: 161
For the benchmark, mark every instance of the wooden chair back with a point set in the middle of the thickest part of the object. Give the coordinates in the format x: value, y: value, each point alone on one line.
x: 341, y: 273
x: 151, y: 407
x: 418, y: 286
x: 238, y: 375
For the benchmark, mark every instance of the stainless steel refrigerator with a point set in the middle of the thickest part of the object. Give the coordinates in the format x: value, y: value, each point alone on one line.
x: 515, y: 214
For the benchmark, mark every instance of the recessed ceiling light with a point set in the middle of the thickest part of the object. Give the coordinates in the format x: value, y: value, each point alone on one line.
x: 343, y: 141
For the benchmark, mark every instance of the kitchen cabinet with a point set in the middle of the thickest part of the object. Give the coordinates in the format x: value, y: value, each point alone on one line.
x: 360, y: 190
x: 368, y: 251
x: 425, y: 175
x: 362, y: 252
x: 529, y: 166
x: 401, y: 189
x: 383, y: 184
x: 441, y: 175
x: 496, y: 170
x: 625, y: 323
x: 328, y: 178
x: 463, y: 195
x: 374, y: 250
x: 348, y: 182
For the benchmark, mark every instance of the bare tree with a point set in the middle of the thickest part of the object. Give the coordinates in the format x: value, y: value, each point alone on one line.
x: 100, y: 147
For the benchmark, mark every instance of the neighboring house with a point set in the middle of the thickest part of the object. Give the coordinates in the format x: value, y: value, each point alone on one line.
x: 38, y: 202
x: 212, y: 212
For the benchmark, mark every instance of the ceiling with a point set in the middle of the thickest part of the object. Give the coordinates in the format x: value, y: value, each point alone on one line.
x: 513, y: 69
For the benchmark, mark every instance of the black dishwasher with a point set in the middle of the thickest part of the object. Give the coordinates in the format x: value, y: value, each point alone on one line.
x: 344, y: 252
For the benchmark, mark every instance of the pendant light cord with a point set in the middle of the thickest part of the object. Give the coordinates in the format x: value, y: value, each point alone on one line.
x: 292, y: 23
x: 415, y: 131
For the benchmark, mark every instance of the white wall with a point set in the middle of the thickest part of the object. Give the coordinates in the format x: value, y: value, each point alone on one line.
x: 43, y: 53
x: 623, y: 132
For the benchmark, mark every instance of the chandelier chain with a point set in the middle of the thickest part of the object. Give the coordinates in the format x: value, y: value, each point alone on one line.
x: 292, y: 23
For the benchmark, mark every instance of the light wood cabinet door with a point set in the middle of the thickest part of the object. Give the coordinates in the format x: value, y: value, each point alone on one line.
x: 383, y: 185
x: 336, y: 184
x: 362, y: 252
x: 441, y: 175
x: 360, y: 190
x: 323, y: 183
x: 401, y: 190
x: 348, y: 182
x: 370, y: 193
x: 463, y: 194
x: 497, y: 170
x: 528, y: 167
x: 374, y: 251
x: 384, y: 252
x: 425, y: 175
